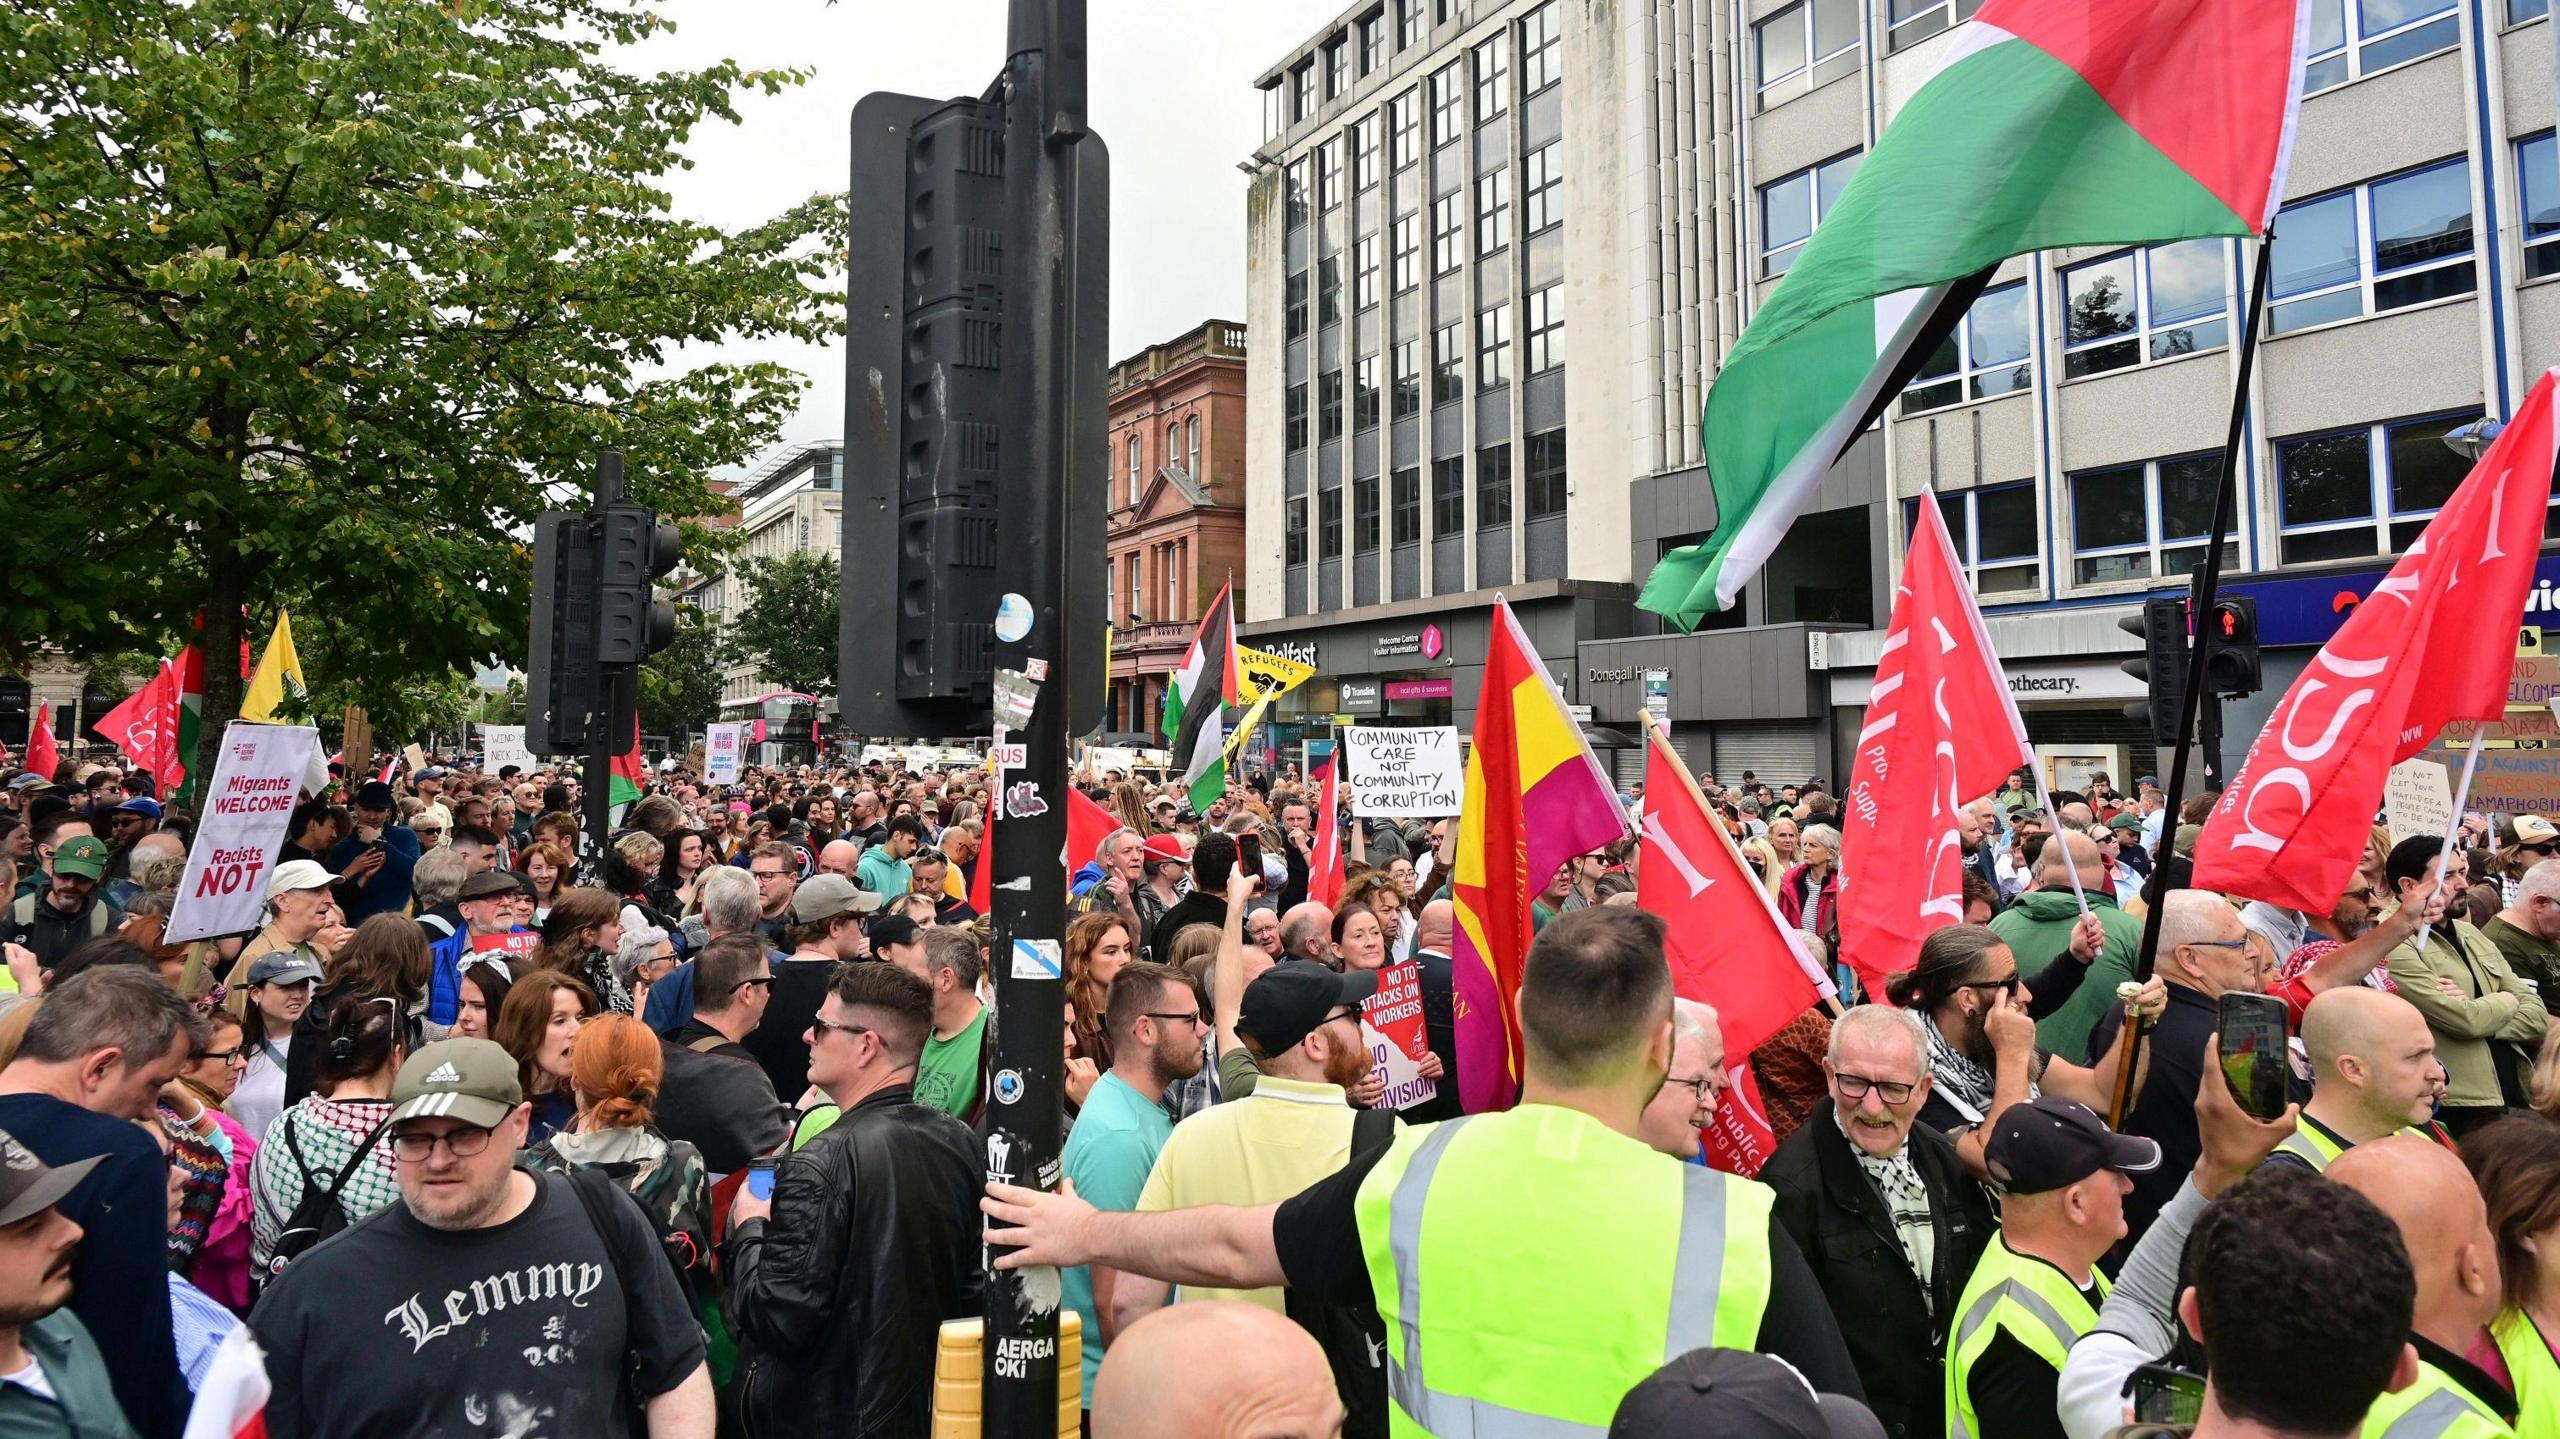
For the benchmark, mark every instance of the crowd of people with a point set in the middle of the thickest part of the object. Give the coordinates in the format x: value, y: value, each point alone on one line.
x: 693, y: 1146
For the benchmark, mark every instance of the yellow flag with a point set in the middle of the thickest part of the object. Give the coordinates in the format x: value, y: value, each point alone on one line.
x: 1244, y: 726
x: 1262, y: 675
x: 279, y: 673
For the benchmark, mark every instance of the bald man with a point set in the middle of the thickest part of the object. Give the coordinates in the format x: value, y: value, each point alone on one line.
x: 2445, y: 1227
x: 1434, y: 929
x: 840, y: 857
x: 2373, y: 1072
x: 2043, y: 929
x: 1215, y: 1369
x: 1306, y: 932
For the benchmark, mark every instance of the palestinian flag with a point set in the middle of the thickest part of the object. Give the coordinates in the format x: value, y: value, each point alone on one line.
x: 1195, y: 703
x: 2049, y: 123
x: 630, y: 772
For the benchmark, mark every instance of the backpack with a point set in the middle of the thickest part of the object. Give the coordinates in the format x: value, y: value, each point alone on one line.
x: 318, y: 1214
x: 1354, y: 1336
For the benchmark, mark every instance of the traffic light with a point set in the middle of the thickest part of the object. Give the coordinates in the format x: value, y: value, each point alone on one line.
x: 565, y: 693
x: 2162, y: 627
x: 634, y: 551
x: 2233, y: 668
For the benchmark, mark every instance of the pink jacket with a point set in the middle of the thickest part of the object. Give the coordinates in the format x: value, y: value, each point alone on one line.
x: 221, y: 1267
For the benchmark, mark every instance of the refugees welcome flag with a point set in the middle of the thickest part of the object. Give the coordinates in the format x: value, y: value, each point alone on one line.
x: 1535, y: 798
x: 2049, y: 123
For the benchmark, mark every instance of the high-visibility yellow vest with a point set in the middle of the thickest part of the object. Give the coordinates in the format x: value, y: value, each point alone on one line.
x: 2034, y: 1302
x: 2434, y: 1407
x: 1533, y: 1265
x: 2530, y: 1366
x: 2314, y: 1146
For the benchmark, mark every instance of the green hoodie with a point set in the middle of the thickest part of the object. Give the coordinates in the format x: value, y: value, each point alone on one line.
x: 2037, y: 927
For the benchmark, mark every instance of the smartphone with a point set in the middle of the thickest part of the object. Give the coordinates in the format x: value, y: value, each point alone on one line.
x: 760, y: 1177
x: 2249, y: 1032
x: 1249, y: 853
x: 2166, y: 1394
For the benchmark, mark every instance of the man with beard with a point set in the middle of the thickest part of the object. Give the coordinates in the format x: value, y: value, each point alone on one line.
x: 522, y: 1297
x: 1154, y: 1020
x: 57, y: 1380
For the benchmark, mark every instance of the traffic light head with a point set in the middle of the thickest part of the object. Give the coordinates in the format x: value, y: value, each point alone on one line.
x: 2162, y: 626
x: 2234, y: 667
x: 635, y: 552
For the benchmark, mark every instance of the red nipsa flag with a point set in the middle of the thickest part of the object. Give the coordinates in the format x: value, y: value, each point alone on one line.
x: 145, y: 727
x: 44, y: 756
x: 1941, y: 729
x: 1324, y: 867
x: 2428, y: 646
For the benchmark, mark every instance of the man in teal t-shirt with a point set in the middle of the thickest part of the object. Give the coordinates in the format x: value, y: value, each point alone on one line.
x: 1153, y: 1022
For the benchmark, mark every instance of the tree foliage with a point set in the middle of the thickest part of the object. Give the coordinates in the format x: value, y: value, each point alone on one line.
x: 680, y: 685
x: 787, y: 627
x: 320, y: 305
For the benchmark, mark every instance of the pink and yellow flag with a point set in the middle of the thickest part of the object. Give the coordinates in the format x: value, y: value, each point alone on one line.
x: 1535, y: 798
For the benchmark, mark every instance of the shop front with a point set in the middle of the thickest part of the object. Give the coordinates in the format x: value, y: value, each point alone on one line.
x: 1734, y: 700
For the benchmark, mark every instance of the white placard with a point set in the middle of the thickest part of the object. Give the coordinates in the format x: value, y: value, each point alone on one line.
x: 721, y: 746
x: 2417, y: 798
x: 1405, y: 772
x: 257, y: 778
x: 503, y: 745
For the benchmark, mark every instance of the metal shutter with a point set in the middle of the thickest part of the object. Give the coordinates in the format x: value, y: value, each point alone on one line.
x: 1777, y: 753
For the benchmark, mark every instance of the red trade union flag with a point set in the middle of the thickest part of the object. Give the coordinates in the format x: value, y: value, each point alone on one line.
x: 1324, y: 866
x: 1738, y: 1140
x: 1088, y: 824
x: 44, y: 756
x: 1724, y: 939
x: 145, y: 727
x: 982, y: 870
x: 2428, y: 646
x: 1940, y: 727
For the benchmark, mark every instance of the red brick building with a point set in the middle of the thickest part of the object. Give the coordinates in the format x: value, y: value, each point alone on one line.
x: 1177, y: 507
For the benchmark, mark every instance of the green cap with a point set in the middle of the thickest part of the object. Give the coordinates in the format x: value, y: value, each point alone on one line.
x: 471, y: 1080
x: 83, y: 855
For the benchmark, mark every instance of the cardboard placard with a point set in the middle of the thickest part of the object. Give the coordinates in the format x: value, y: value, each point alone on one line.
x: 2417, y: 797
x: 1405, y: 772
x: 257, y: 780
x: 1391, y: 1023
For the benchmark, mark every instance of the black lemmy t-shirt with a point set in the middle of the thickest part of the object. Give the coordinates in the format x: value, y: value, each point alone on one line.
x: 518, y: 1331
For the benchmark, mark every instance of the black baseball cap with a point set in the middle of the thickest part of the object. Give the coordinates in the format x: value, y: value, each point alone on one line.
x: 2049, y: 1143
x: 1288, y: 1001
x: 894, y: 929
x: 1734, y: 1391
x: 373, y: 794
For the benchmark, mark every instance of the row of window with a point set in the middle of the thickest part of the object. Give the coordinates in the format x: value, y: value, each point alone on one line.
x: 1170, y: 561
x: 1542, y: 496
x: 1542, y: 342
x: 1363, y: 49
x: 1317, y: 299
x: 1181, y: 446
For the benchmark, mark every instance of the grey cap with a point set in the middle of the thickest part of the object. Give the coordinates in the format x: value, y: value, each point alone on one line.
x: 30, y: 780
x: 282, y: 966
x: 29, y: 1186
x: 823, y: 897
x: 472, y: 1080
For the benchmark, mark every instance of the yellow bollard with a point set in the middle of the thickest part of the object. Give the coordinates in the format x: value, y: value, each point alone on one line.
x: 959, y: 1362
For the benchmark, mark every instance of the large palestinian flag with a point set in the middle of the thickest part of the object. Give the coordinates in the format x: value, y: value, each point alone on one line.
x: 2048, y: 123
x: 1195, y: 702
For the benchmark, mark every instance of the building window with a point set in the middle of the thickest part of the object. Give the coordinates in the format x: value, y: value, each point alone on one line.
x: 1373, y: 41
x: 1985, y: 356
x: 1407, y: 378
x: 1364, y: 393
x: 1300, y: 185
x: 1328, y: 406
x: 1541, y: 50
x: 1995, y: 535
x: 1546, y: 493
x: 1337, y: 67
x: 1407, y: 252
x: 1542, y: 187
x: 1191, y: 445
x: 1404, y: 127
x: 1493, y: 347
x: 1173, y: 443
x: 1408, y: 24
x: 1542, y: 314
x: 1329, y: 523
x: 2357, y: 37
x: 1364, y: 273
x: 1493, y: 79
x: 1295, y: 527
x: 1448, y: 495
x: 1493, y: 211
x: 1448, y: 103
x: 1302, y: 91
x: 1296, y: 416
x: 1329, y: 172
x: 1133, y: 468
x: 1364, y: 514
x: 1405, y: 496
x: 1275, y: 111
x: 1493, y: 486
x: 2380, y: 246
x: 1804, y: 46
x: 2156, y: 304
x: 1448, y: 221
x: 1448, y: 359
x: 1790, y: 209
x: 1908, y: 22
x: 2519, y: 11
x: 1329, y: 290
x: 2357, y: 493
x: 2538, y: 173
x: 1296, y: 293
x: 2146, y: 521
x: 1137, y: 588
x: 1174, y: 608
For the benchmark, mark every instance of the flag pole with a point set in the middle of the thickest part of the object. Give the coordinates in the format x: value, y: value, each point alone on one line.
x: 2203, y: 592
x: 2453, y: 828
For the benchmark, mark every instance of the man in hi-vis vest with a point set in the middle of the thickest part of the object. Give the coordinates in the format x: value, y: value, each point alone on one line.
x: 1532, y: 1265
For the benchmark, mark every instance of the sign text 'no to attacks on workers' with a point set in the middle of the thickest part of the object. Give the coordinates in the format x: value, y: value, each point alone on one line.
x: 1405, y: 772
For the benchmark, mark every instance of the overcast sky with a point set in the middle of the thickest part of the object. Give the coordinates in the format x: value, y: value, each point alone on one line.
x: 1172, y: 94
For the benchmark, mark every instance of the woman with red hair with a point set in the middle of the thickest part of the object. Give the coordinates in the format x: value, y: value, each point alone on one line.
x: 615, y: 1070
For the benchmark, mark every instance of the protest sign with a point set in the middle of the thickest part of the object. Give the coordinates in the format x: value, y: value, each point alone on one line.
x: 257, y: 778
x: 1391, y: 1023
x: 721, y: 746
x: 2417, y: 798
x: 1261, y: 675
x: 1405, y: 773
x: 511, y: 946
x: 416, y: 757
x: 503, y: 745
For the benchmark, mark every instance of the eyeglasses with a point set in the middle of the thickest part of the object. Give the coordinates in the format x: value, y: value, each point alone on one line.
x: 234, y: 1055
x: 1855, y: 1086
x: 1346, y: 1012
x: 2360, y: 896
x: 765, y: 982
x: 826, y: 1026
x: 460, y: 1143
x: 765, y: 874
x: 2010, y: 980
x: 1188, y: 1017
x: 2217, y: 944
x: 1700, y: 1088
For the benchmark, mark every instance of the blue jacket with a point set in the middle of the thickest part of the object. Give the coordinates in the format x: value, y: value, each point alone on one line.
x: 444, y: 977
x: 388, y: 891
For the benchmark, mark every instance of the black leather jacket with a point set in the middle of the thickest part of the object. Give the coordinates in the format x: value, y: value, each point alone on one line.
x: 838, y: 1298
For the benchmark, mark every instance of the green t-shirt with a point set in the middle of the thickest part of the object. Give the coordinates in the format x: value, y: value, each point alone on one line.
x: 1114, y: 1144
x: 947, y: 1076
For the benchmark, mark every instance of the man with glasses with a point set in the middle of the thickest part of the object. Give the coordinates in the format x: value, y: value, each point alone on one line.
x: 2527, y: 931
x: 2529, y: 840
x: 490, y: 1299
x: 2343, y: 948
x: 2488, y: 1020
x: 827, y: 917
x: 716, y: 1097
x: 1154, y: 1019
x: 776, y: 868
x: 1873, y: 1174
x: 1673, y: 1122
x: 837, y: 1281
x: 68, y: 910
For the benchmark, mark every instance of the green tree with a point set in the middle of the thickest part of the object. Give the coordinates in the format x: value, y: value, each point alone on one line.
x: 680, y: 685
x: 320, y: 305
x: 787, y: 627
